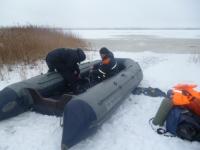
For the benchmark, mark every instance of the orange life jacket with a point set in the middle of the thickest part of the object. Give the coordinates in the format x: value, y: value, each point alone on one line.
x: 185, y: 95
x: 106, y: 60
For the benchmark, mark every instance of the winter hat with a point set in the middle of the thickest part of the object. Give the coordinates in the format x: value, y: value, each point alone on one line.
x: 81, y: 55
x: 104, y: 50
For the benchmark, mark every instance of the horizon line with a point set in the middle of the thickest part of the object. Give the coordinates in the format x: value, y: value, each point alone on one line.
x: 130, y: 28
x: 106, y: 28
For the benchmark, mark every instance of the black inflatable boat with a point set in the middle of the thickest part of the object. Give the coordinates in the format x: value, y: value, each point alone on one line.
x: 81, y: 113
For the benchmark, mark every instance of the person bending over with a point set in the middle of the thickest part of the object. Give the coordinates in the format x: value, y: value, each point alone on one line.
x: 65, y: 61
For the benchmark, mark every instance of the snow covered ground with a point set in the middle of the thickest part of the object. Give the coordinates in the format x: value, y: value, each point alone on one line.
x: 127, y: 129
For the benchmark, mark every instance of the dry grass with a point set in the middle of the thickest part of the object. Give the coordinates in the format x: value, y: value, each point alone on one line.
x: 26, y: 44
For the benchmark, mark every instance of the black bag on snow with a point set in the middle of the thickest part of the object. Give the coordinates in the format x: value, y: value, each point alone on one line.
x: 184, y: 124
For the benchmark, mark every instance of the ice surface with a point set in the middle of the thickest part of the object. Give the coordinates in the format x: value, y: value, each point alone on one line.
x: 128, y: 127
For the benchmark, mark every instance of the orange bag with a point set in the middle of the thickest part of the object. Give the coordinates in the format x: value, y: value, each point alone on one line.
x: 185, y: 95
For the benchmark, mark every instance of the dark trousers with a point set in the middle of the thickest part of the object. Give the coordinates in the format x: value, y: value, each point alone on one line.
x: 70, y: 78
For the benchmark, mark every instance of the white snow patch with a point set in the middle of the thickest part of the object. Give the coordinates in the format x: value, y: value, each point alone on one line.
x: 128, y: 127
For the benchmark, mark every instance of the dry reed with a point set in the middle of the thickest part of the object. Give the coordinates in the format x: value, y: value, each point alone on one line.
x: 26, y: 44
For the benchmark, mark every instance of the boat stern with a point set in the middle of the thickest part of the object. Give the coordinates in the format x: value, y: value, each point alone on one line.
x: 9, y: 104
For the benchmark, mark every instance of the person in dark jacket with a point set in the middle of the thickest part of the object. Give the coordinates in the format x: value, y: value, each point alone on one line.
x: 107, y: 67
x: 65, y: 61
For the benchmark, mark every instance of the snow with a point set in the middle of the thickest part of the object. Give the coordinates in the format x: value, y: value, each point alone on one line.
x: 127, y: 129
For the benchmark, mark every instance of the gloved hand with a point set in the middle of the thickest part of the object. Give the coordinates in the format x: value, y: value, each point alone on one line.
x: 77, y: 75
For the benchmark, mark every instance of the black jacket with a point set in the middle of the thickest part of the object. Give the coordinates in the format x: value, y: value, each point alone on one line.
x: 65, y: 59
x: 103, y: 71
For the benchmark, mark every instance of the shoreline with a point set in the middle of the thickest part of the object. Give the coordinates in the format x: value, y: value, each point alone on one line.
x: 141, y: 43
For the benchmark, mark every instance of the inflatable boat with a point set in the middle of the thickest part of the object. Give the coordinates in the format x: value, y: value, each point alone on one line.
x: 82, y: 112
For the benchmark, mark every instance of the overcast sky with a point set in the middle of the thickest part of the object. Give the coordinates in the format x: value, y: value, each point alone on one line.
x: 101, y: 13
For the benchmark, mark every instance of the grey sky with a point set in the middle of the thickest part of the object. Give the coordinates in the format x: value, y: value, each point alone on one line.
x: 101, y: 13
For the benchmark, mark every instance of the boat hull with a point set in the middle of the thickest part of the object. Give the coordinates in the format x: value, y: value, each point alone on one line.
x: 92, y: 108
x: 16, y: 99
